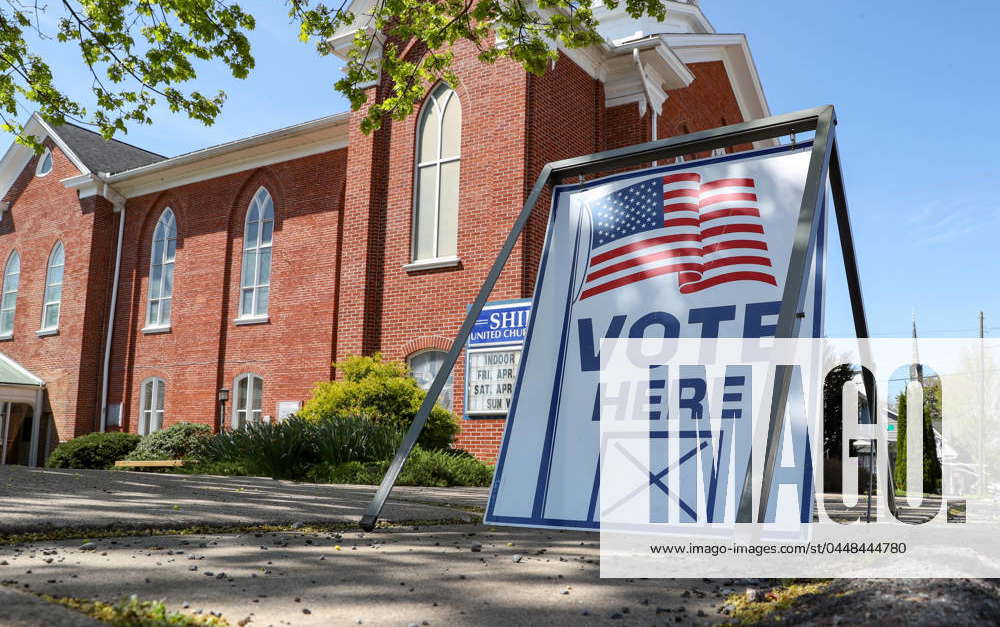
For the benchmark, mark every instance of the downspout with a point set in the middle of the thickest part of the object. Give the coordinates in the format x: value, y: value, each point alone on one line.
x: 111, y: 313
x: 649, y: 98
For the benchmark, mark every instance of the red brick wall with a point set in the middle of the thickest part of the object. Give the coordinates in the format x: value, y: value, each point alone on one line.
x: 418, y: 309
x: 204, y: 349
x: 43, y: 212
x: 706, y: 103
x: 342, y: 238
x: 512, y: 125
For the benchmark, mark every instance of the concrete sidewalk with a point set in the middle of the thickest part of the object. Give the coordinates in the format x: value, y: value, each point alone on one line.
x: 20, y: 609
x: 450, y: 575
x: 36, y: 499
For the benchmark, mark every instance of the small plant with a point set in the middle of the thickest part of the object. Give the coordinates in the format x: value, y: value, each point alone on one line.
x: 342, y: 439
x: 384, y: 392
x: 444, y: 468
x: 93, y: 451
x: 423, y: 468
x: 179, y: 441
x: 132, y: 612
x: 289, y: 450
x: 282, y: 450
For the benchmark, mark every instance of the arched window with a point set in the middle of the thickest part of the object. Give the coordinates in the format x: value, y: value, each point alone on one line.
x: 255, y: 282
x: 249, y: 400
x: 53, y: 288
x: 161, y: 271
x: 8, y: 303
x: 439, y: 143
x: 44, y: 163
x: 153, y: 393
x: 424, y: 367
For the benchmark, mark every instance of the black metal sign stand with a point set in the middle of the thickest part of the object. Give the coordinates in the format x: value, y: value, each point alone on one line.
x: 824, y: 167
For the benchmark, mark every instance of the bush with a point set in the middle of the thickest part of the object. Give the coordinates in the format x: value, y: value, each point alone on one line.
x: 288, y: 450
x: 347, y: 472
x: 355, y: 439
x: 282, y: 450
x: 443, y: 469
x: 179, y: 441
x: 385, y: 393
x: 423, y: 468
x: 94, y: 451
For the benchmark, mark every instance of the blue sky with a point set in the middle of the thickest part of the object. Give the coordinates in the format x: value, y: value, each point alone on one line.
x: 916, y: 90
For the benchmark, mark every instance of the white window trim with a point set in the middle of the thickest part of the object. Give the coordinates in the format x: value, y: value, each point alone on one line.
x: 430, y: 264
x: 4, y: 290
x: 248, y: 320
x: 249, y: 377
x: 417, y: 164
x: 252, y: 317
x: 144, y: 420
x: 52, y: 330
x: 161, y: 326
x: 41, y: 160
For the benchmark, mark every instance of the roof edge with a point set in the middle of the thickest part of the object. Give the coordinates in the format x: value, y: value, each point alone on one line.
x: 220, y: 150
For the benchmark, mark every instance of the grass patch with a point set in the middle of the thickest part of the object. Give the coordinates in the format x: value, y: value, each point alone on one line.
x: 132, y: 612
x: 753, y: 612
x: 71, y: 533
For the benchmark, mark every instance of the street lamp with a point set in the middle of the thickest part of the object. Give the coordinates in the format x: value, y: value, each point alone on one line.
x: 223, y: 397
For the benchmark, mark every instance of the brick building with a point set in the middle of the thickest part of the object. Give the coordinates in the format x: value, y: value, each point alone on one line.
x: 137, y: 286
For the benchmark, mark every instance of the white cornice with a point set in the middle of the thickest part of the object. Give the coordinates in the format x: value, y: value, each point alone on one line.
x: 623, y: 78
x: 293, y: 142
x: 88, y: 185
x: 734, y: 52
x: 18, y: 156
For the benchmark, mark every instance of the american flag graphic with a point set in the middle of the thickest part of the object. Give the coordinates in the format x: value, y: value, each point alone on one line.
x: 707, y: 233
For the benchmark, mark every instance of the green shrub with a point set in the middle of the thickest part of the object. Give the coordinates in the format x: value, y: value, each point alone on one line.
x: 282, y: 450
x: 342, y: 439
x: 288, y: 450
x: 94, y: 450
x: 224, y: 468
x: 347, y: 472
x: 179, y: 441
x: 443, y: 469
x: 423, y: 468
x: 385, y: 393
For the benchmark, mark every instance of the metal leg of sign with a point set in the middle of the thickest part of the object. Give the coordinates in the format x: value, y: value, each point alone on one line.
x: 857, y: 299
x: 820, y: 119
x: 389, y: 480
x: 792, y: 301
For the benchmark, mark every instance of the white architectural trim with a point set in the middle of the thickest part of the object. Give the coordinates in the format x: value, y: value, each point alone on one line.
x: 660, y: 70
x: 734, y: 51
x: 245, y: 320
x: 89, y: 184
x: 17, y: 366
x: 431, y: 264
x: 57, y: 141
x: 293, y: 142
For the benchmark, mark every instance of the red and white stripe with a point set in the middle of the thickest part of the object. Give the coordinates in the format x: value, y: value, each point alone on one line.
x: 712, y: 234
x: 733, y: 245
x: 676, y: 248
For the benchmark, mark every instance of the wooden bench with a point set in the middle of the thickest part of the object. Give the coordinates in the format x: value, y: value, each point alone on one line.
x: 163, y: 463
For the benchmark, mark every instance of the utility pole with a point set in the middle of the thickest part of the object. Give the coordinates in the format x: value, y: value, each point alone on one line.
x: 982, y: 404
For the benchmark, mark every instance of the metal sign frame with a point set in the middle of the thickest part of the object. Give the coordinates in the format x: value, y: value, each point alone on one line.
x: 824, y: 168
